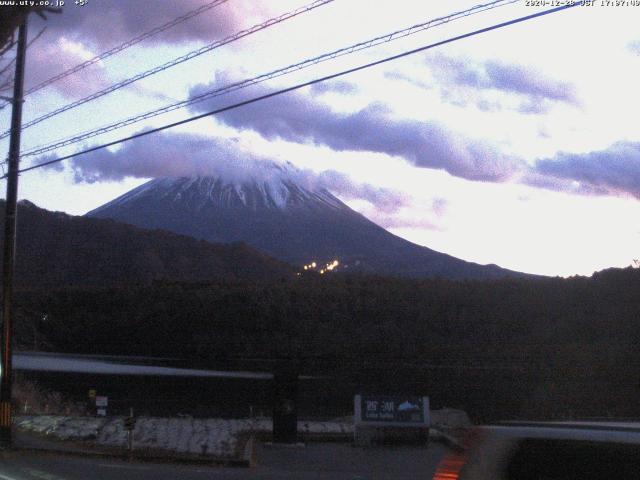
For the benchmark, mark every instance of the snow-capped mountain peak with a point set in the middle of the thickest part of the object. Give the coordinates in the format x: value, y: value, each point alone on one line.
x: 277, y: 192
x: 285, y: 213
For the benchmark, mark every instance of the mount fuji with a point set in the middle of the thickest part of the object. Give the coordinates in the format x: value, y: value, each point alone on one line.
x: 285, y: 218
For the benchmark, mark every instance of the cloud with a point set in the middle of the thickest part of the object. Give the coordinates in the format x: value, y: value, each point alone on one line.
x: 398, y: 221
x: 81, y: 33
x: 526, y: 81
x: 428, y: 216
x: 55, y: 56
x: 396, y: 75
x: 634, y: 47
x: 439, y: 206
x: 187, y: 155
x: 465, y: 78
x: 169, y: 155
x: 613, y: 171
x: 384, y: 200
x: 126, y: 20
x: 337, y: 86
x: 301, y: 118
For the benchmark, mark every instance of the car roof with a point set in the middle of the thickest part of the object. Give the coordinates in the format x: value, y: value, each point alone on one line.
x: 577, y: 424
x: 599, y: 431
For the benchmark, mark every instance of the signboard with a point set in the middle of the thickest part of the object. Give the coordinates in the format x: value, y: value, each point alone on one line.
x: 102, y: 412
x: 101, y: 401
x: 380, y: 410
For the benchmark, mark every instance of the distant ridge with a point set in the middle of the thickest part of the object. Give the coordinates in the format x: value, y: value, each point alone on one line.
x: 56, y: 249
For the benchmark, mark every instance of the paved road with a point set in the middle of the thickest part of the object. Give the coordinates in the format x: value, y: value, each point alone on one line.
x: 313, y: 462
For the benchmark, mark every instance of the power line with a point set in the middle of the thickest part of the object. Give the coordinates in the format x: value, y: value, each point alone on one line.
x: 270, y: 75
x: 127, y: 44
x: 176, y: 61
x: 10, y: 44
x: 301, y: 85
x: 8, y: 83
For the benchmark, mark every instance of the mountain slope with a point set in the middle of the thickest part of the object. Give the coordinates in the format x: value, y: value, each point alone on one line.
x: 55, y: 249
x: 284, y: 219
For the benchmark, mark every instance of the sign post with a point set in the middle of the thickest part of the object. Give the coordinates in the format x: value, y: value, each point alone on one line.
x: 129, y: 425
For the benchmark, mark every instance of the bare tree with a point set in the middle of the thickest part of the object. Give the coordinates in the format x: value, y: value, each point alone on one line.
x: 6, y: 76
x: 13, y: 16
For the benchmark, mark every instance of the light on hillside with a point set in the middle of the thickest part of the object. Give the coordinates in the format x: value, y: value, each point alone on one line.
x: 326, y: 268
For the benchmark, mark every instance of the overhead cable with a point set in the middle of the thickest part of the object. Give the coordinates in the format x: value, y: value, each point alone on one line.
x: 127, y: 44
x: 299, y: 86
x: 174, y: 62
x: 268, y: 76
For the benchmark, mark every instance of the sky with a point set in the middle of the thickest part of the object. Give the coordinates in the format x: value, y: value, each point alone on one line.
x: 517, y: 147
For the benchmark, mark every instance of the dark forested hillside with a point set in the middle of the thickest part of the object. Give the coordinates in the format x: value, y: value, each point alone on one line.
x: 347, y: 316
x: 540, y: 347
x: 55, y: 249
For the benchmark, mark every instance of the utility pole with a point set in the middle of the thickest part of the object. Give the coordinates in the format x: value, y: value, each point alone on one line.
x: 8, y: 260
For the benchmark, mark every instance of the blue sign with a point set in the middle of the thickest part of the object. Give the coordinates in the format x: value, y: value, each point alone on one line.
x: 393, y: 409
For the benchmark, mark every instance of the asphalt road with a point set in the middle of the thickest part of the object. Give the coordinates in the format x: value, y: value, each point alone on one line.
x: 314, y: 462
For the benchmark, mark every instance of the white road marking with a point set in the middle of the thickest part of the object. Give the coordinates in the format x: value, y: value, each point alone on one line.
x: 131, y: 467
x: 40, y: 474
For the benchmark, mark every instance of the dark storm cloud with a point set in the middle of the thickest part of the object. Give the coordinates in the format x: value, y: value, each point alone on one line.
x: 299, y: 117
x: 538, y: 91
x: 186, y: 155
x: 613, y: 171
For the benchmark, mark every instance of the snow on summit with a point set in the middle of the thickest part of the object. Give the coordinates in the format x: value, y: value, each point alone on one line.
x: 275, y: 186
